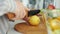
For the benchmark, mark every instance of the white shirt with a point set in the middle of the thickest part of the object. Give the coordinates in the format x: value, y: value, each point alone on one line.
x: 5, y: 6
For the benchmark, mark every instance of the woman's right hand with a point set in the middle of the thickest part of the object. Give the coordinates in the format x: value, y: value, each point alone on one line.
x: 20, y: 12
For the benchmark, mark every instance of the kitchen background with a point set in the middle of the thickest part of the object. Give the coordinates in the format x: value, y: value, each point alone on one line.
x: 40, y: 4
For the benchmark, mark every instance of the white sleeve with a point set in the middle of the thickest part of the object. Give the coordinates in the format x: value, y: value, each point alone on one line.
x: 7, y: 6
x: 11, y: 5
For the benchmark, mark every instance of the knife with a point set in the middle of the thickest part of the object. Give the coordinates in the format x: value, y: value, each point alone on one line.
x: 30, y: 13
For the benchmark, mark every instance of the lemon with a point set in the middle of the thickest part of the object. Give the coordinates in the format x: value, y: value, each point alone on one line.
x: 55, y: 24
x: 34, y: 20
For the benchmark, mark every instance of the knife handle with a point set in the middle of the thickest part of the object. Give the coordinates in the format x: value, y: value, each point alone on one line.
x: 33, y: 12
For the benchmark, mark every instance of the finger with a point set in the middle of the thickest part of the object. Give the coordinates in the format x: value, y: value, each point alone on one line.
x: 15, y: 18
x: 27, y: 9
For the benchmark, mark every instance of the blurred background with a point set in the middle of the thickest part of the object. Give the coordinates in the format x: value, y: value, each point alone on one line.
x: 40, y: 4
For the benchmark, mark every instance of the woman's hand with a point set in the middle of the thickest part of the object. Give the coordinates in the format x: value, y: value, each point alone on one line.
x: 20, y: 11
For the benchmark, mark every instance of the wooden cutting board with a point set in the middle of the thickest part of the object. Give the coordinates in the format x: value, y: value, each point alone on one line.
x: 28, y: 29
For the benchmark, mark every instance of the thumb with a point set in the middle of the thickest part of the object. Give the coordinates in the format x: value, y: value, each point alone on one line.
x: 16, y: 18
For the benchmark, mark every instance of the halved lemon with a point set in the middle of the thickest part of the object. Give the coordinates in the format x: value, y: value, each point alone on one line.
x: 55, y: 24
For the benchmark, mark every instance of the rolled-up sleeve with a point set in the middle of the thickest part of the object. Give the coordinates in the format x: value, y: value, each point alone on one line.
x: 7, y: 6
